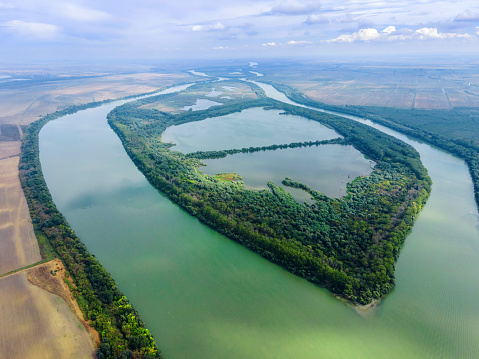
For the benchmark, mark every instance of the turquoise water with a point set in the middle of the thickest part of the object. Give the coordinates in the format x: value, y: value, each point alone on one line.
x: 253, y: 127
x: 325, y: 168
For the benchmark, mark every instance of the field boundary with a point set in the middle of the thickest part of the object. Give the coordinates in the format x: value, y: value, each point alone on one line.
x: 15, y: 271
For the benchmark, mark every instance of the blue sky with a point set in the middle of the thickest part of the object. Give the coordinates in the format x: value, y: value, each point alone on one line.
x: 153, y: 29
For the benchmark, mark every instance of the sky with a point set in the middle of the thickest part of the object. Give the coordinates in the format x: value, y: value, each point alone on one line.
x: 34, y: 30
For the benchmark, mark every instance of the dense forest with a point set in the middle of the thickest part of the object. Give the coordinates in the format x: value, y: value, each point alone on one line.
x: 456, y: 130
x: 122, y: 332
x: 348, y: 245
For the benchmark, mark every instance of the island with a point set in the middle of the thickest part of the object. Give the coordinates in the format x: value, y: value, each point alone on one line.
x: 348, y: 245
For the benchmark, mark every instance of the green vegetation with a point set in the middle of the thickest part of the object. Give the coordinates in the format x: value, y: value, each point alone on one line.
x: 121, y: 330
x: 455, y: 131
x: 228, y: 177
x: 348, y: 245
x: 223, y: 153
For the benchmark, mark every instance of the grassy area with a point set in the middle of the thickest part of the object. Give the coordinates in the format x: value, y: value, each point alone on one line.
x: 232, y: 177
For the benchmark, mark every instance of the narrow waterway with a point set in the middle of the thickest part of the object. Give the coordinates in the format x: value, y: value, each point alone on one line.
x: 204, y: 296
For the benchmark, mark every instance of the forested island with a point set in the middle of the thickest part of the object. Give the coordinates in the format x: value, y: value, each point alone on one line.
x: 348, y: 245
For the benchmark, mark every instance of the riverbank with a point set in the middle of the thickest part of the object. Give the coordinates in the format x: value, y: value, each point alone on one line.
x: 95, y: 291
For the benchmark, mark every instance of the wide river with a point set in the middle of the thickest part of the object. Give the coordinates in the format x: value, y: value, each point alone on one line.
x: 204, y: 296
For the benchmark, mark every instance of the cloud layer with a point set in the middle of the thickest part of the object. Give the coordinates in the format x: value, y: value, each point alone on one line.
x: 31, y: 30
x: 152, y: 29
x: 391, y: 34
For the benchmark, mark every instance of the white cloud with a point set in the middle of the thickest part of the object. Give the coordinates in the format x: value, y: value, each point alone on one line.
x: 367, y: 34
x: 88, y: 28
x: 389, y: 30
x: 391, y: 34
x: 293, y: 7
x: 362, y: 35
x: 428, y: 32
x: 432, y: 33
x: 32, y: 29
x: 215, y: 27
x: 292, y: 42
x: 80, y: 13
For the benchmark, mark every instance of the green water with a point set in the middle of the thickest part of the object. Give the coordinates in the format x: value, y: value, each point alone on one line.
x: 325, y: 168
x: 204, y: 296
x: 253, y: 127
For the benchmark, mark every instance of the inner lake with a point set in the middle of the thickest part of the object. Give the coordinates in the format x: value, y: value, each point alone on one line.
x: 325, y: 168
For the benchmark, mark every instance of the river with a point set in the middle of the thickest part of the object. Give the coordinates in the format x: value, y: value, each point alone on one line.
x: 204, y: 296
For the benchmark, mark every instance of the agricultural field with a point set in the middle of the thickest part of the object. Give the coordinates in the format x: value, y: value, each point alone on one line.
x: 18, y: 245
x: 373, y: 84
x: 39, y: 324
x: 24, y: 101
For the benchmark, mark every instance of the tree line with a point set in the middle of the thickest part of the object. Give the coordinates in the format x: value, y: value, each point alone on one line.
x: 202, y: 155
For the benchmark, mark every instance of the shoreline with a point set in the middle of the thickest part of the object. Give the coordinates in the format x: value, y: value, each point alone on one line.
x: 362, y: 309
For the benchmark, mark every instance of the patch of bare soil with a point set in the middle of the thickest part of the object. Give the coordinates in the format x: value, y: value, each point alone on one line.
x: 50, y: 276
x: 9, y: 149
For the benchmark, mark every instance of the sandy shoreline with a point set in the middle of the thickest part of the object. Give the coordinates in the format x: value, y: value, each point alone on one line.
x: 362, y: 309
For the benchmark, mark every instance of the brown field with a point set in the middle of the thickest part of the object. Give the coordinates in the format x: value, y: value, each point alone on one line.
x: 18, y: 245
x: 24, y: 103
x: 38, y: 324
x: 9, y: 149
